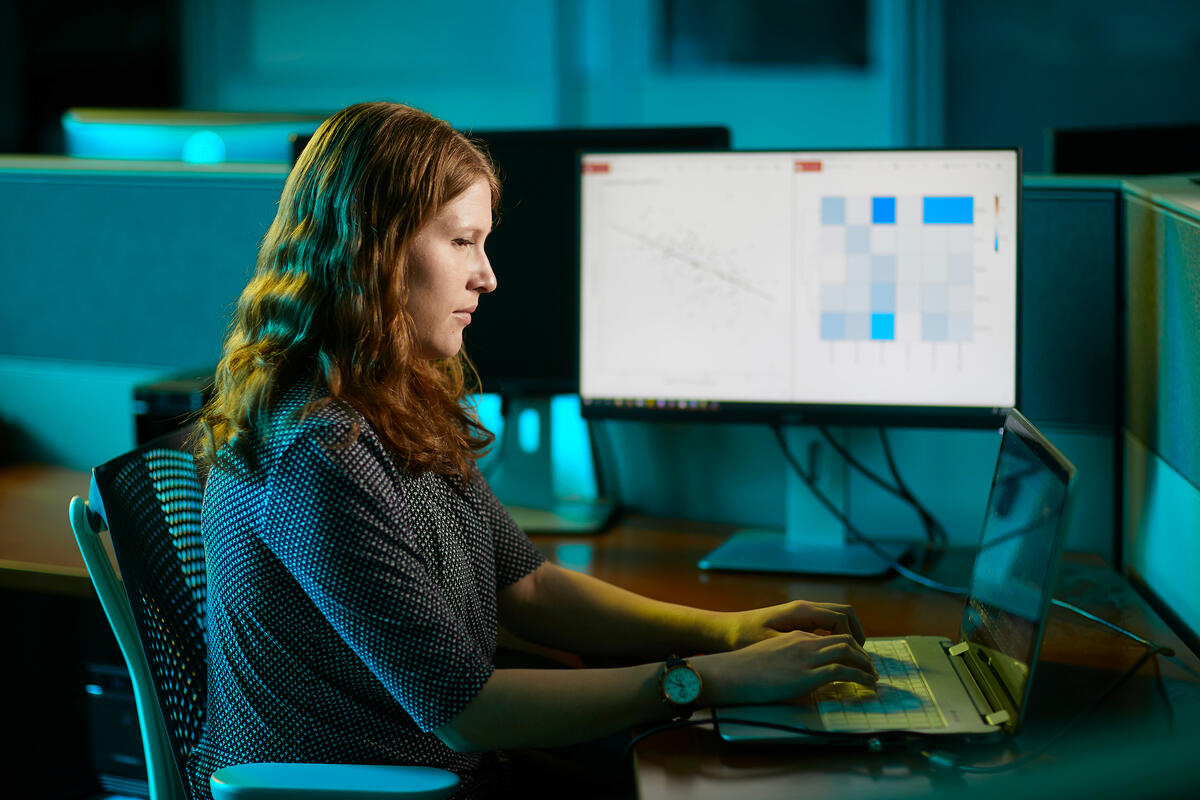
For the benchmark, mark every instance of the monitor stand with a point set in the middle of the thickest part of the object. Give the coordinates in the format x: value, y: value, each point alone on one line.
x: 540, y: 435
x: 815, y: 541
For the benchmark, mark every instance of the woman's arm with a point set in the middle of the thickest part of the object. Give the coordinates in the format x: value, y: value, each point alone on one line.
x: 550, y: 707
x: 571, y: 611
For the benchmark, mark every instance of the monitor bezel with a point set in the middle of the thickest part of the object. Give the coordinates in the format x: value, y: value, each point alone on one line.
x: 849, y: 414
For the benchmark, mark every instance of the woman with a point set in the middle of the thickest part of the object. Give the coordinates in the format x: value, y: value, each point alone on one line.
x: 358, y: 564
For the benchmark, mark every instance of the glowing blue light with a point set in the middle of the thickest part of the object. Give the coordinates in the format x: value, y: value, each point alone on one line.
x: 204, y: 147
x: 571, y: 450
x: 529, y: 430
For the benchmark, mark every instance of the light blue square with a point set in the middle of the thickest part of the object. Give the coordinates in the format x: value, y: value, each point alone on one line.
x: 883, y: 269
x: 833, y: 297
x: 959, y: 269
x: 833, y: 326
x: 833, y: 210
x: 858, y: 238
x: 933, y: 298
x: 933, y: 327
x: 858, y: 268
x: 858, y: 297
x: 958, y: 327
x: 883, y: 298
x: 858, y: 326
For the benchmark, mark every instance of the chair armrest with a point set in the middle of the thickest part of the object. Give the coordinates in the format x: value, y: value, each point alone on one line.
x: 274, y: 781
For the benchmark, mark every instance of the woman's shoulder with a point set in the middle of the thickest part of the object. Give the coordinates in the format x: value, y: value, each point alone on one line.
x: 305, y: 418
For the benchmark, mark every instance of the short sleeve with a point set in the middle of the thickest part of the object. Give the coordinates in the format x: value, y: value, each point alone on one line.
x: 336, y: 521
x: 516, y: 555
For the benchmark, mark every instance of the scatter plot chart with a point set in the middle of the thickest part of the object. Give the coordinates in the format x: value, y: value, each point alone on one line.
x: 897, y: 268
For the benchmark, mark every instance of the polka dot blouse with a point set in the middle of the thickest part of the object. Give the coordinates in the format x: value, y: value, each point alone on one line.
x: 351, y: 606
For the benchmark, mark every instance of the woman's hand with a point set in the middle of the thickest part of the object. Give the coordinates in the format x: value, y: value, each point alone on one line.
x: 782, y: 667
x: 744, y: 628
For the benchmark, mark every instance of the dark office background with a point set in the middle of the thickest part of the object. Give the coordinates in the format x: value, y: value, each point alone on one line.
x: 904, y: 72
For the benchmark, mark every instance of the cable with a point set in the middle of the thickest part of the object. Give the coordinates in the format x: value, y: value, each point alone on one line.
x: 918, y: 578
x: 935, y: 534
x: 932, y: 526
x: 1166, y: 651
x: 854, y: 532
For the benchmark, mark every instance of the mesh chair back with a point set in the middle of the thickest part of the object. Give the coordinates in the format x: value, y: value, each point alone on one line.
x: 151, y: 501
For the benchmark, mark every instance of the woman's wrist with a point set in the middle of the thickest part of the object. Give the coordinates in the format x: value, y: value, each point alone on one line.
x: 719, y: 631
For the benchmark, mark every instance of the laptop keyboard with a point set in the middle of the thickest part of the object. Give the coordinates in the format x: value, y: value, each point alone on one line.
x: 901, y: 700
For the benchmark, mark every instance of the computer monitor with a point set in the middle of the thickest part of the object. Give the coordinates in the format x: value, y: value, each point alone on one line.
x: 869, y: 286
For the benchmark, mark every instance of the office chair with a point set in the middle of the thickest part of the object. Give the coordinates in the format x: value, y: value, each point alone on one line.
x: 149, y: 499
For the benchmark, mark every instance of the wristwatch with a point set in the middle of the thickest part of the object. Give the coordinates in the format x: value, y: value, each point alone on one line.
x: 680, y: 685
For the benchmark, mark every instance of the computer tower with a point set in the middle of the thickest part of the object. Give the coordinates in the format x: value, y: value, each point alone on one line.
x: 117, y: 755
x: 170, y: 403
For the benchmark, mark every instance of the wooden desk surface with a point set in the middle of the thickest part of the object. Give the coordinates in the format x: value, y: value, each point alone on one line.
x: 1079, y: 661
x: 37, y: 550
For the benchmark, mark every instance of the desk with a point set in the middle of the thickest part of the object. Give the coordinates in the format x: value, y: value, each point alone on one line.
x: 37, y: 550
x: 657, y: 558
x: 1079, y: 660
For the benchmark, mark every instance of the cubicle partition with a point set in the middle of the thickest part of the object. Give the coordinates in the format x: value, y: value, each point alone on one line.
x: 115, y: 272
x: 1162, y: 410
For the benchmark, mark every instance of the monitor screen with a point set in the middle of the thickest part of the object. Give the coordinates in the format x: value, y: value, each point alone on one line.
x: 831, y: 284
x: 525, y: 336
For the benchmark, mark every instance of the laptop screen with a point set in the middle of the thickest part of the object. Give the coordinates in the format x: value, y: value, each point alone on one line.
x: 1013, y: 578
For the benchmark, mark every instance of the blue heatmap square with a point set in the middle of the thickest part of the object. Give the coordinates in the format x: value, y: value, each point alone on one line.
x: 883, y: 326
x: 833, y: 210
x: 833, y: 326
x: 934, y: 327
x: 883, y: 210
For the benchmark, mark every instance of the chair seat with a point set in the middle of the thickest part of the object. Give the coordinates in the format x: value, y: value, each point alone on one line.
x: 274, y: 781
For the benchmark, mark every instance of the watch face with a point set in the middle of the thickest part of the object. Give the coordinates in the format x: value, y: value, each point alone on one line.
x: 681, y: 685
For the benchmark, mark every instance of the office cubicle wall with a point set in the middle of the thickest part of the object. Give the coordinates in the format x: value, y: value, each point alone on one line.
x: 114, y: 272
x: 1162, y: 409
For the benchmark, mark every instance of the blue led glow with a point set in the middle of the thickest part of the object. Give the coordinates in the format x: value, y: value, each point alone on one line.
x: 529, y: 430
x: 204, y: 147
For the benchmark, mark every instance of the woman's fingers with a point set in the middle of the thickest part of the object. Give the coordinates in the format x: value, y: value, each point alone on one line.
x: 838, y: 618
x: 845, y: 653
x: 831, y: 673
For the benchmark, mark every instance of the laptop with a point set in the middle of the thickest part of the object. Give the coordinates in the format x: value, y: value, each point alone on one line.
x: 978, y: 686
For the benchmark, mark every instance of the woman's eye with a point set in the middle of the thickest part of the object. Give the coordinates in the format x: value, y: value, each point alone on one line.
x: 463, y: 242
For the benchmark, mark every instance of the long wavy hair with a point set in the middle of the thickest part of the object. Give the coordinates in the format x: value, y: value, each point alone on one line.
x: 328, y: 294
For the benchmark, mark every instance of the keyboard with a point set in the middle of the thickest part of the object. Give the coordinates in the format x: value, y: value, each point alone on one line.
x: 901, y: 700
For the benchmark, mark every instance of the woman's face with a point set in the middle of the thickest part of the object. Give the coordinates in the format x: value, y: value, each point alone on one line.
x: 448, y: 270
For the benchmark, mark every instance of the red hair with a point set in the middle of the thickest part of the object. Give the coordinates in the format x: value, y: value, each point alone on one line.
x: 329, y: 290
